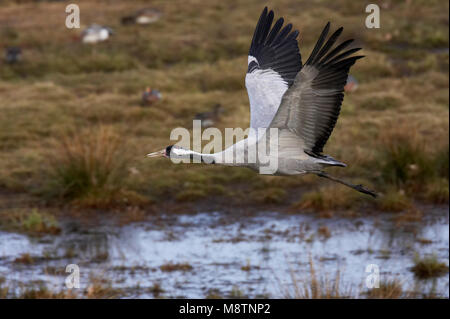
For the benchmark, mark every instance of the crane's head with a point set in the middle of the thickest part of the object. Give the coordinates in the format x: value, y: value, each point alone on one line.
x: 171, y: 150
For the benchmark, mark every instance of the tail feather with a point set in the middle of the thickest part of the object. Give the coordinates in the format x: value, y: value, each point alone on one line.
x: 326, y: 160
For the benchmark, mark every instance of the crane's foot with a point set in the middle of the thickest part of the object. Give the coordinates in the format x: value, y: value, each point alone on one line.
x: 362, y: 189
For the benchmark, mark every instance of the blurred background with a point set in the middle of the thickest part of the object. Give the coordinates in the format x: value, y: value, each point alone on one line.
x: 80, y: 108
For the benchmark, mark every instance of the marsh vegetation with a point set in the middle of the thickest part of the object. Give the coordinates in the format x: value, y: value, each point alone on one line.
x: 222, y: 255
x: 73, y: 139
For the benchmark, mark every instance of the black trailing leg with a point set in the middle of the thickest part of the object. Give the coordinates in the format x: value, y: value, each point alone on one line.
x: 359, y: 188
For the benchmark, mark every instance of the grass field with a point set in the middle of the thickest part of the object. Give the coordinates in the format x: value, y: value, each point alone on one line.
x: 73, y: 133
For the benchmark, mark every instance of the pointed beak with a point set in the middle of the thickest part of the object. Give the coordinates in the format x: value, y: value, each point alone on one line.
x: 161, y: 153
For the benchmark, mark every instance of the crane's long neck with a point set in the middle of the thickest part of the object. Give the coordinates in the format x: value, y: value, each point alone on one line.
x: 193, y: 157
x: 231, y: 156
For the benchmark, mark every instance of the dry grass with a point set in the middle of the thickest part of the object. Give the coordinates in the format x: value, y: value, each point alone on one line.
x: 437, y: 191
x: 316, y: 286
x: 412, y: 167
x: 412, y: 214
x: 33, y: 221
x: 249, y: 267
x: 156, y: 289
x: 428, y: 267
x: 329, y: 198
x: 391, y: 289
x: 24, y: 259
x: 43, y: 292
x: 97, y: 288
x: 404, y: 157
x: 269, y: 195
x: 324, y: 232
x: 169, y: 267
x: 394, y: 201
x: 89, y: 168
x: 101, y: 288
x: 4, y: 290
x: 37, y: 222
x: 196, y: 55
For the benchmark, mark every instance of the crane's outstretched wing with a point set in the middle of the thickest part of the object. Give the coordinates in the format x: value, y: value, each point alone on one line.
x: 273, y: 62
x: 311, y: 106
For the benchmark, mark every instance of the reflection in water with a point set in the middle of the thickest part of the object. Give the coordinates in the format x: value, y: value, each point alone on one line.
x: 256, y: 254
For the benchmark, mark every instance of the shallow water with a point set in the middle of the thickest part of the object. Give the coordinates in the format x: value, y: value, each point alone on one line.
x: 263, y: 255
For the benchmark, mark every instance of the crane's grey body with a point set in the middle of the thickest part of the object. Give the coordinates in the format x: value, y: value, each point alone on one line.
x: 290, y: 157
x: 300, y: 101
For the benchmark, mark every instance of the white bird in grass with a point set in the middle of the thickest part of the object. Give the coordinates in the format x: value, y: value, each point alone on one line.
x: 96, y: 33
x: 143, y: 16
x: 301, y: 101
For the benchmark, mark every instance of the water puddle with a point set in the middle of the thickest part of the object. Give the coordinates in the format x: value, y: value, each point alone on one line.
x: 263, y: 255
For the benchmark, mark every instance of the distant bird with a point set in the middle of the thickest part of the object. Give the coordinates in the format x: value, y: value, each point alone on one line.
x: 13, y: 55
x: 143, y: 16
x: 351, y: 85
x: 302, y: 101
x: 128, y: 20
x: 210, y: 118
x: 96, y: 33
x: 150, y: 96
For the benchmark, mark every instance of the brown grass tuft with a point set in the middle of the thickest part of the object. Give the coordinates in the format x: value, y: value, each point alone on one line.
x: 89, y: 168
x: 391, y: 289
x: 169, y: 267
x: 428, y: 267
x: 328, y: 198
x: 24, y: 259
x: 316, y: 286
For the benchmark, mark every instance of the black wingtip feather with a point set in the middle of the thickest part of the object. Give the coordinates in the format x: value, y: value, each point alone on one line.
x: 266, y: 27
x: 282, y: 35
x: 275, y: 47
x: 319, y: 43
x: 336, y: 50
x: 259, y: 26
x: 273, y: 33
x: 339, y: 57
x: 331, y: 40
